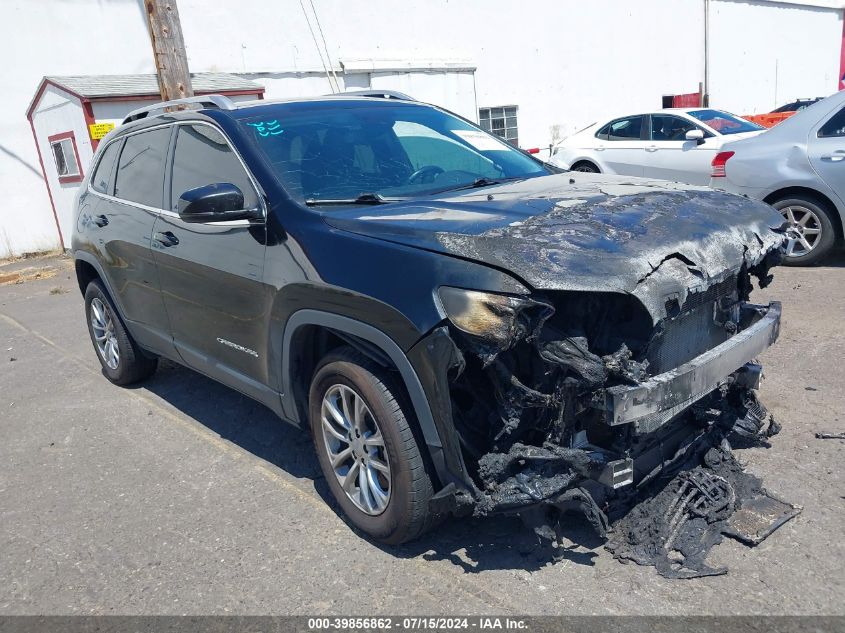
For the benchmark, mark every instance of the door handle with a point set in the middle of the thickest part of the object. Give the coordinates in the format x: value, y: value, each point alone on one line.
x: 600, y: 148
x: 101, y: 220
x: 651, y: 148
x: 166, y: 239
x: 836, y: 157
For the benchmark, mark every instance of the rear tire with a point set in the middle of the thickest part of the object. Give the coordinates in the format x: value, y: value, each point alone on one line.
x: 392, y: 506
x: 586, y: 167
x: 122, y: 360
x: 817, y: 231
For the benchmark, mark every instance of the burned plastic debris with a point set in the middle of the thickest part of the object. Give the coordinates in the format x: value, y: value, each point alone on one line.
x: 675, y: 527
x: 666, y: 489
x: 830, y: 436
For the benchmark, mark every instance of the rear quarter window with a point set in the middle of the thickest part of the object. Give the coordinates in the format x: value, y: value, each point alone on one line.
x: 101, y: 180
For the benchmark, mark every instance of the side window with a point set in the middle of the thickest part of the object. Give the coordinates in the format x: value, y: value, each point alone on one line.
x: 670, y: 128
x: 140, y: 171
x: 835, y: 126
x: 101, y: 179
x: 204, y: 157
x: 625, y: 129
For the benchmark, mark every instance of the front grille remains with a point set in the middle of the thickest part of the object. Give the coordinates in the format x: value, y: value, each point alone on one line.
x: 698, y: 327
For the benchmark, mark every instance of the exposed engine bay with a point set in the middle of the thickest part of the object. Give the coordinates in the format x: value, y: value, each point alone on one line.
x: 603, y: 409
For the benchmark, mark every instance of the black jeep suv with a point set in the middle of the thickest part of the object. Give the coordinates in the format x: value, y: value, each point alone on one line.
x: 460, y: 327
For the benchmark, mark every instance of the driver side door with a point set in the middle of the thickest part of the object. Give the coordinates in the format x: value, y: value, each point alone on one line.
x: 211, y: 273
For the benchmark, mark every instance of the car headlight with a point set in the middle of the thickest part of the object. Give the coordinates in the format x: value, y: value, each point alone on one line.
x: 491, y: 316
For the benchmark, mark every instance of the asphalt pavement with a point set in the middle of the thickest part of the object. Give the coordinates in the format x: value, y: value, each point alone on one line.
x: 180, y: 496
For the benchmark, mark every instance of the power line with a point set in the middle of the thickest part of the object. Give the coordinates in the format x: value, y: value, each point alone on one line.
x: 334, y: 88
x: 325, y: 46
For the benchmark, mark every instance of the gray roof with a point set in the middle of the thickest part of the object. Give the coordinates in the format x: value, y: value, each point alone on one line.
x: 99, y: 86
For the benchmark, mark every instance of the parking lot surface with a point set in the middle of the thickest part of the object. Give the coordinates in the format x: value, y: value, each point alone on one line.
x: 180, y: 496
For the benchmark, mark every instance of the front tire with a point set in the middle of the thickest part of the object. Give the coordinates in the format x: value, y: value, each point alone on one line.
x: 122, y: 360
x: 366, y: 448
x: 811, y: 230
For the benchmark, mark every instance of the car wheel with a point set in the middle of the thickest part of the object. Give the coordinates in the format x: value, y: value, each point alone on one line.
x: 366, y: 447
x: 122, y: 360
x: 586, y: 167
x: 810, y: 231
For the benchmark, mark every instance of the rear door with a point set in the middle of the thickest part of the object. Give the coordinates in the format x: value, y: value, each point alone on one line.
x: 826, y: 150
x: 121, y: 224
x: 212, y: 273
x: 668, y: 155
x: 620, y: 145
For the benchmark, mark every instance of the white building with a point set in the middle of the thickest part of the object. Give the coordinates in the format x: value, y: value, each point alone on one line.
x: 557, y: 65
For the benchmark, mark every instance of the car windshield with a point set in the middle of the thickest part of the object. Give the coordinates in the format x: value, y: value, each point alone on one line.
x: 725, y: 123
x: 374, y: 151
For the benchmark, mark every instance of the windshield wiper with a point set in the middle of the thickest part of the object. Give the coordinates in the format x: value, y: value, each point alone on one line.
x: 481, y: 182
x: 364, y: 198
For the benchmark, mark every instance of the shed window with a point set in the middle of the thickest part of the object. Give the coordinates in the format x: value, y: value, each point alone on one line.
x: 500, y: 121
x: 66, y: 157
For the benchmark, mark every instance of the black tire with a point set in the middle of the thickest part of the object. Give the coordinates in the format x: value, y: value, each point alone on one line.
x: 585, y: 166
x: 406, y: 515
x: 827, y: 237
x: 132, y: 365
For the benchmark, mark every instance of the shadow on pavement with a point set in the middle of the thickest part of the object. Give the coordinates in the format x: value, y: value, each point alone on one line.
x: 472, y: 544
x: 483, y: 544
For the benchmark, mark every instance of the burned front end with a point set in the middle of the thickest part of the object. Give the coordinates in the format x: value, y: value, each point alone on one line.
x: 578, y: 401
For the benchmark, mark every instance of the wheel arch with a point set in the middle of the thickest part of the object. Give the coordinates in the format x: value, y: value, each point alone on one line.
x: 302, y: 336
x: 88, y: 269
x: 798, y: 191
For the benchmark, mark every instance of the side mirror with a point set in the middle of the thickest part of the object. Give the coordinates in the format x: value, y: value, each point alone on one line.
x: 219, y: 202
x: 695, y: 135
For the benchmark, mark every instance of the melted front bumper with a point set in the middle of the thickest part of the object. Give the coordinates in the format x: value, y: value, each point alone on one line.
x: 657, y: 400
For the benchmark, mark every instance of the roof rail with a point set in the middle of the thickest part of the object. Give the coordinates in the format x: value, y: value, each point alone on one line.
x: 206, y: 101
x: 381, y: 94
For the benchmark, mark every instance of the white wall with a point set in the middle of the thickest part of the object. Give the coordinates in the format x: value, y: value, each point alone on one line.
x: 764, y: 55
x: 52, y: 37
x: 562, y: 63
x: 565, y: 63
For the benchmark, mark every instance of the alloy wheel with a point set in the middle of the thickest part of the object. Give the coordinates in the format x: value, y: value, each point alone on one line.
x: 803, y: 231
x: 105, y: 340
x: 355, y: 448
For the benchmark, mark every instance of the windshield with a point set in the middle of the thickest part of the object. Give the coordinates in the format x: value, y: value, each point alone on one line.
x: 725, y: 123
x: 341, y: 151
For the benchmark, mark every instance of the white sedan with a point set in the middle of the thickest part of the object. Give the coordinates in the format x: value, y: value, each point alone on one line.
x: 672, y: 144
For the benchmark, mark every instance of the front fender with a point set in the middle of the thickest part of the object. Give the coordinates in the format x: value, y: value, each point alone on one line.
x: 437, y: 431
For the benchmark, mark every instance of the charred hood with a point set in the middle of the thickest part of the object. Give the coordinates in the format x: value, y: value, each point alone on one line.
x: 586, y: 232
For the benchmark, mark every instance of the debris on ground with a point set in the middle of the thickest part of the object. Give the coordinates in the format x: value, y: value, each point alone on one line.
x: 675, y: 528
x: 27, y: 274
x: 830, y: 436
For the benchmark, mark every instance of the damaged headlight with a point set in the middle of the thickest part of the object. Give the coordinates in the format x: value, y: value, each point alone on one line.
x: 488, y: 315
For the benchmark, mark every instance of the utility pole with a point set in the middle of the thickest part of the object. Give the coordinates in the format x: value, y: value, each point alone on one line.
x: 174, y: 80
